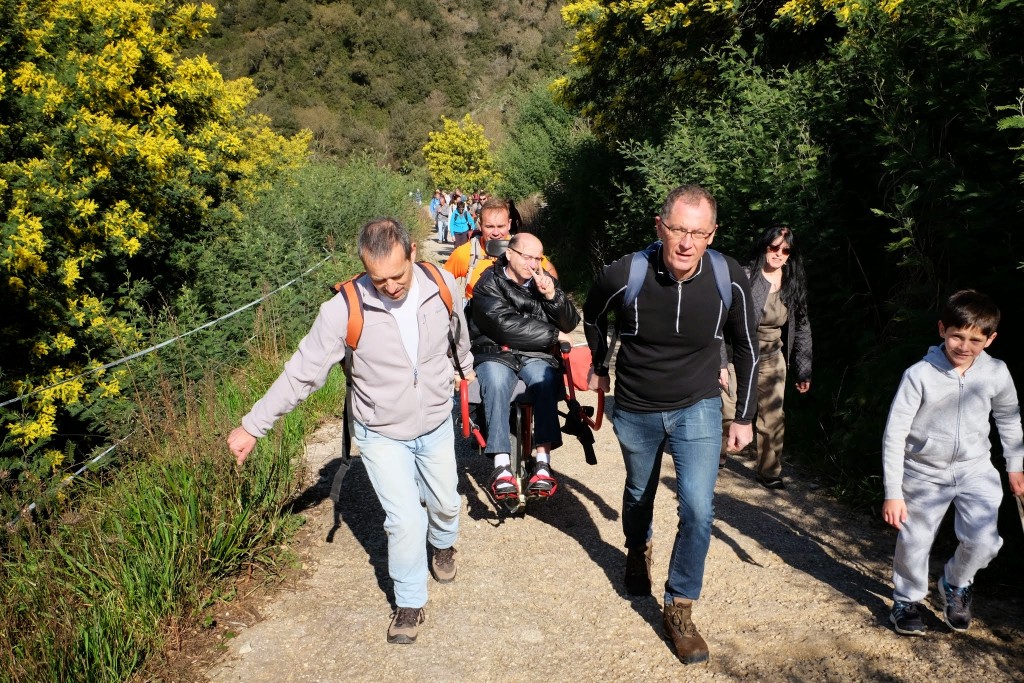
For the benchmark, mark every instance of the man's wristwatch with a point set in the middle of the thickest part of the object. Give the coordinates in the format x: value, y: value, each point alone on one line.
x: 600, y: 370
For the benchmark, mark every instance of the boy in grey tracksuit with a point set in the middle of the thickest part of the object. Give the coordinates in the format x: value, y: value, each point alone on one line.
x: 936, y: 452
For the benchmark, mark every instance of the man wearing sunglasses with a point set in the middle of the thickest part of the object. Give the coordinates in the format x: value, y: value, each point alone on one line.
x: 518, y: 316
x: 667, y: 393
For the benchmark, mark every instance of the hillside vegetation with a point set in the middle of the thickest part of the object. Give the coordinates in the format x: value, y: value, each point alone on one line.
x: 376, y: 75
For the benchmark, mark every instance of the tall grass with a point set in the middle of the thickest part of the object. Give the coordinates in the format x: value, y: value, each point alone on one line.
x: 89, y: 600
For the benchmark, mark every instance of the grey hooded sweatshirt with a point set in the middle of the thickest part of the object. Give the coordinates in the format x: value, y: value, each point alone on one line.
x: 938, y: 428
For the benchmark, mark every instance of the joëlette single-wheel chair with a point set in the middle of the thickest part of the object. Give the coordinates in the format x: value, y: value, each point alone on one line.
x: 580, y: 421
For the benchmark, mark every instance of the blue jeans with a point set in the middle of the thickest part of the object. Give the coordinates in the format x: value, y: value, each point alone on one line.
x: 498, y: 381
x: 403, y: 473
x: 694, y: 437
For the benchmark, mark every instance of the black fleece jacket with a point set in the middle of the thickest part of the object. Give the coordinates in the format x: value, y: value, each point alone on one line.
x: 671, y: 338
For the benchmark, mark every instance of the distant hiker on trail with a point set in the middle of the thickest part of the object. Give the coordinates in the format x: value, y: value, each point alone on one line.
x: 667, y: 391
x: 401, y: 403
x: 460, y: 224
x: 936, y: 452
x: 471, y: 259
x: 519, y: 314
x: 477, y: 204
x: 779, y: 290
x: 444, y: 210
x: 435, y: 203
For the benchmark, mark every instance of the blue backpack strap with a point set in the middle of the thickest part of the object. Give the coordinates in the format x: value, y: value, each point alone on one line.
x: 637, y: 273
x: 722, y: 280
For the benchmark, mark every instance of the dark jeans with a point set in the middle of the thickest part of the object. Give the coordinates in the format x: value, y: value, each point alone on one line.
x: 694, y: 437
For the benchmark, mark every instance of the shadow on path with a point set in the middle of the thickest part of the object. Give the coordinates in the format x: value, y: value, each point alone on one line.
x: 565, y: 512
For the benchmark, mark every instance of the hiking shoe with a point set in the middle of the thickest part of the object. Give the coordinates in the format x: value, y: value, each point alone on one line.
x: 906, y: 618
x: 542, y: 483
x: 956, y: 605
x: 638, y: 570
x: 442, y: 565
x: 773, y: 483
x: 690, y: 647
x: 405, y: 624
x: 503, y: 484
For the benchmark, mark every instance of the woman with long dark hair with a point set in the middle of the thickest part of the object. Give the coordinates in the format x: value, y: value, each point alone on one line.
x: 778, y: 288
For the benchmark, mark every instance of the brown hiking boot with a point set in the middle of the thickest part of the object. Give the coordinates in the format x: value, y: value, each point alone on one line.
x: 442, y: 565
x: 690, y: 647
x: 405, y: 624
x: 638, y: 570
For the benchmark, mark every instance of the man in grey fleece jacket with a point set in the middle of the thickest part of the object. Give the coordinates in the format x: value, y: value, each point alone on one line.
x: 936, y: 453
x: 401, y: 383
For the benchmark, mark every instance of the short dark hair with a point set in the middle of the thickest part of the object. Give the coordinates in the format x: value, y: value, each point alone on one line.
x: 379, y: 236
x: 971, y: 308
x: 689, y: 194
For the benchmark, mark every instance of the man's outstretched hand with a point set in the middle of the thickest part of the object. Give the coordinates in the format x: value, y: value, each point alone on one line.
x: 241, y: 443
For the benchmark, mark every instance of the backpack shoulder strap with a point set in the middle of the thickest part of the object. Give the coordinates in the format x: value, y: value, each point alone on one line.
x: 637, y: 272
x: 446, y: 296
x: 474, y: 256
x: 435, y: 274
x: 721, y: 270
x: 354, y: 299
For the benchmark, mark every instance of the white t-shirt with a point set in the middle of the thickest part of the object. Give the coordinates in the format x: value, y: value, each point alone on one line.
x: 404, y: 312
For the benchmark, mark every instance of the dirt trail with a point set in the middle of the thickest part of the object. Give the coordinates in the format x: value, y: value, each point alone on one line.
x: 797, y: 588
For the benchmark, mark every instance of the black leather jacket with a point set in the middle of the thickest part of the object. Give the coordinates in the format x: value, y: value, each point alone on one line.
x: 509, y: 320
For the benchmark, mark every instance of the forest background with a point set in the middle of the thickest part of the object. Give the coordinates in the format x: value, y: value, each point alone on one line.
x: 163, y: 164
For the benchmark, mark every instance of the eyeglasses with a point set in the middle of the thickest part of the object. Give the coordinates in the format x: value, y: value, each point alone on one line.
x: 780, y: 247
x: 528, y: 259
x: 695, y: 235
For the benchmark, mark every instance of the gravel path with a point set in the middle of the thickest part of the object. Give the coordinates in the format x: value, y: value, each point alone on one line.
x: 797, y: 589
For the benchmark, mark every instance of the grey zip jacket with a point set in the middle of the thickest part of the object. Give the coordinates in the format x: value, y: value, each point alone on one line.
x: 938, y: 428
x: 389, y: 395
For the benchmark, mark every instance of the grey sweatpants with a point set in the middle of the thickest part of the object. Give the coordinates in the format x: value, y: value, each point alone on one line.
x: 975, y: 496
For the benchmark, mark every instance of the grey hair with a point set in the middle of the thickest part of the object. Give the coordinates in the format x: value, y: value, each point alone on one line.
x: 379, y: 236
x: 689, y: 194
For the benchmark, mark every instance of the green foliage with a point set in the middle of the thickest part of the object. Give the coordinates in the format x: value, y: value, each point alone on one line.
x: 581, y: 202
x: 88, y: 599
x: 117, y: 157
x: 633, y: 61
x: 1014, y: 121
x: 459, y: 155
x: 537, y: 135
x: 877, y: 134
x: 376, y: 75
x: 751, y: 147
x: 93, y: 579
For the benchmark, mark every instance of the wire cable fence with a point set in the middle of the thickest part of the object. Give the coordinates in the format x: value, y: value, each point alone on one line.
x: 65, y: 481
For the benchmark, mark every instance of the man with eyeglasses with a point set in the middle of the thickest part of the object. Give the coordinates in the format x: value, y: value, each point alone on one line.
x: 667, y: 393
x: 518, y: 316
x: 469, y: 260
